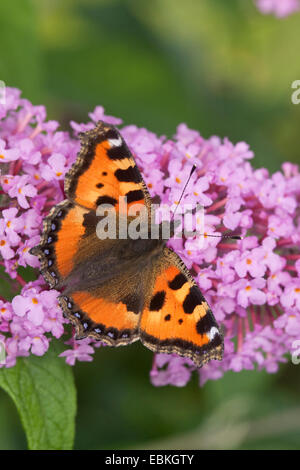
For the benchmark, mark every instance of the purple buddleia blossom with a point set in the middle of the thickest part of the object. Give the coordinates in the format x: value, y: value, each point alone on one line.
x: 279, y: 8
x: 252, y: 285
x: 81, y: 351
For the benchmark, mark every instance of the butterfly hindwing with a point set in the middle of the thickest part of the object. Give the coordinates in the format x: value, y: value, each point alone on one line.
x: 111, y: 322
x: 107, y: 290
x: 177, y: 318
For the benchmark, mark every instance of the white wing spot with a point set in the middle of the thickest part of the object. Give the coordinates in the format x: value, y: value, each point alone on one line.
x: 115, y: 142
x: 212, y: 332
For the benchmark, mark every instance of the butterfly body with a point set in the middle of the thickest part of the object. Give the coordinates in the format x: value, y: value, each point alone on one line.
x: 119, y: 289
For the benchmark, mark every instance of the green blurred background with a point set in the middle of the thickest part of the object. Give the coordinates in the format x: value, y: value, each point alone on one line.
x: 221, y: 67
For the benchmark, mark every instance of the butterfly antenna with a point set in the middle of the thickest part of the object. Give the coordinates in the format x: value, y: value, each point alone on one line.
x: 232, y: 237
x: 187, y: 182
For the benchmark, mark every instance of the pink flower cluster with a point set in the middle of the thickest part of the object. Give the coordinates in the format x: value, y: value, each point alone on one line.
x: 279, y: 8
x: 252, y: 285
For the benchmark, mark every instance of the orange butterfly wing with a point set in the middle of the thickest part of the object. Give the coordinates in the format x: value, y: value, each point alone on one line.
x: 96, y: 317
x: 62, y: 230
x: 105, y: 170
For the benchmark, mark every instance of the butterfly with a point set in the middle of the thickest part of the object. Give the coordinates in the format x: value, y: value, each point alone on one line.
x: 121, y: 290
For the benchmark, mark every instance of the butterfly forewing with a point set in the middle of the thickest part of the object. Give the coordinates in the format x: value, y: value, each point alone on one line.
x: 105, y: 170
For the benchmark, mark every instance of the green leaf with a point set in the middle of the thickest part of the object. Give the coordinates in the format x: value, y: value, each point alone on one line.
x: 43, y: 391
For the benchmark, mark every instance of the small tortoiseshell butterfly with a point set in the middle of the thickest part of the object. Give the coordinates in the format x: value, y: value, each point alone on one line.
x: 121, y: 290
